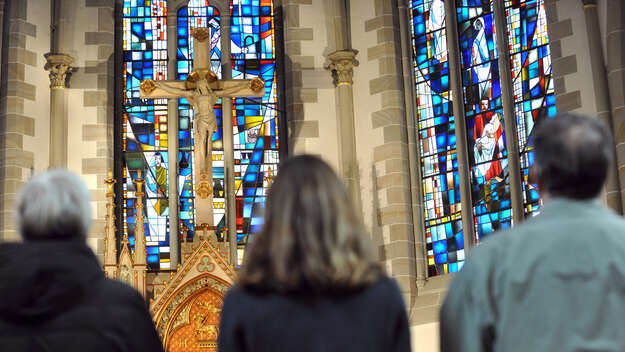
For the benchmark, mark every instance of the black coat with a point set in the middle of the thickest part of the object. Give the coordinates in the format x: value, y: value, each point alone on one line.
x: 54, y: 297
x: 372, y: 319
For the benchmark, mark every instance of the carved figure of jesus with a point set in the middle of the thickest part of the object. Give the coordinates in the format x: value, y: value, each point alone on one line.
x: 203, y: 99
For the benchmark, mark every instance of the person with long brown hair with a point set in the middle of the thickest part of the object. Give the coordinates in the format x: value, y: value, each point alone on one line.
x: 311, y: 281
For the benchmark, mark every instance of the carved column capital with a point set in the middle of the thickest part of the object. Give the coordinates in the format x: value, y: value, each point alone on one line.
x: 342, y: 65
x: 589, y: 3
x: 59, y: 65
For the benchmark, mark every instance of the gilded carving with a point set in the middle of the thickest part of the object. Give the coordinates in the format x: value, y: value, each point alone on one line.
x: 147, y: 86
x: 201, y: 34
x: 257, y: 84
x: 59, y: 66
x: 342, y: 65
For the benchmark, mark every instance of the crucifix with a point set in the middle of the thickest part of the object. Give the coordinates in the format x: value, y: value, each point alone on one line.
x: 202, y: 89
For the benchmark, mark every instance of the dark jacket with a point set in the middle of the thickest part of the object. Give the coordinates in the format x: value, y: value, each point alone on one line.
x: 554, y: 283
x: 371, y: 319
x: 54, y: 297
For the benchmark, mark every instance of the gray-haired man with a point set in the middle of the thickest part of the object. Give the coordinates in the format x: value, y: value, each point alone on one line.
x: 557, y: 281
x: 53, y: 294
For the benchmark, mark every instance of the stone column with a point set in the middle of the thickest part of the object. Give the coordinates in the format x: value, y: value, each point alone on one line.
x: 342, y: 65
x: 226, y: 113
x: 509, y: 116
x: 602, y: 97
x: 59, y: 65
x: 413, y: 146
x: 172, y: 144
x: 455, y: 84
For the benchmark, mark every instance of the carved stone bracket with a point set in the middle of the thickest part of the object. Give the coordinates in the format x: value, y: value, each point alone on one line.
x: 59, y: 66
x: 342, y: 65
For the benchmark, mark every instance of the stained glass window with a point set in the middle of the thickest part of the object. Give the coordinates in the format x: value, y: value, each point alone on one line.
x: 532, y: 80
x: 144, y: 125
x: 144, y: 122
x: 490, y: 188
x: 255, y: 121
x: 487, y: 152
x: 437, y: 139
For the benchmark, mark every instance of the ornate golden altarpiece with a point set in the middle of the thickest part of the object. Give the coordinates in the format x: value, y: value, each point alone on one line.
x: 186, y: 308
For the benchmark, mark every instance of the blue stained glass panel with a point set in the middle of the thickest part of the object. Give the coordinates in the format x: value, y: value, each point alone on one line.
x: 436, y: 134
x: 532, y: 80
x: 490, y: 188
x: 144, y: 125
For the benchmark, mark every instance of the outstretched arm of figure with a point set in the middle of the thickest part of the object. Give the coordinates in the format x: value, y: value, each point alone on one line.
x: 173, y: 90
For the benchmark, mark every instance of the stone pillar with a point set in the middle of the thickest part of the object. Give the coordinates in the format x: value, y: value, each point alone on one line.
x: 509, y: 116
x: 342, y: 65
x: 602, y: 96
x: 172, y: 145
x: 413, y: 146
x: 59, y: 65
x: 226, y: 113
x: 455, y: 84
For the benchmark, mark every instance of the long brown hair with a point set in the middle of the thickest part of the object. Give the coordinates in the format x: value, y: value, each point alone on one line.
x: 312, y: 239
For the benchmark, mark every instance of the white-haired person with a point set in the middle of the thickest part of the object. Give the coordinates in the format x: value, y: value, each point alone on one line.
x: 53, y: 293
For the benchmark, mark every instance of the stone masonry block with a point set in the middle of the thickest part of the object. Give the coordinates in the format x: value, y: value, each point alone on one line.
x: 387, y: 116
x: 556, y: 49
x: 95, y: 166
x: 99, y: 38
x: 386, y: 34
x: 15, y: 71
x: 390, y: 65
x: 380, y: 50
x: 378, y: 22
x: 383, y: 83
x: 291, y: 15
x: 383, y: 7
x: 559, y: 84
x: 565, y: 66
x: 305, y: 129
x: 395, y: 150
x: 106, y: 19
x: 395, y: 214
x: 95, y: 132
x: 569, y: 101
x: 299, y: 34
x: 95, y: 98
x: 23, y: 56
x: 22, y: 90
x: 389, y: 180
x: 395, y: 133
x: 23, y: 27
x: 18, y: 157
x: 403, y: 266
x: 559, y: 30
x: 305, y: 95
x: 100, y: 3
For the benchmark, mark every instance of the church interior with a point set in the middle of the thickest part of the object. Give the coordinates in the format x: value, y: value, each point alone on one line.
x: 425, y: 109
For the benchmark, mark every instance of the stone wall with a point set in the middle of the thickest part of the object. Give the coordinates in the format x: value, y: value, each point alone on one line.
x: 25, y: 102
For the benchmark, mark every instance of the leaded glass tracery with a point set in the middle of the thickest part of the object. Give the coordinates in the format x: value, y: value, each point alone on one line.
x: 255, y: 121
x: 479, y: 77
x: 144, y: 139
x: 530, y: 60
x: 437, y: 139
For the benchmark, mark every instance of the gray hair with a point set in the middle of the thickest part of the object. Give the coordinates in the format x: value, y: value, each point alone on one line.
x: 53, y: 206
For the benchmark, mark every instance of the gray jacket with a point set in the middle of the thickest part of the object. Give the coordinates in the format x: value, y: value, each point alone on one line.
x: 556, y: 282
